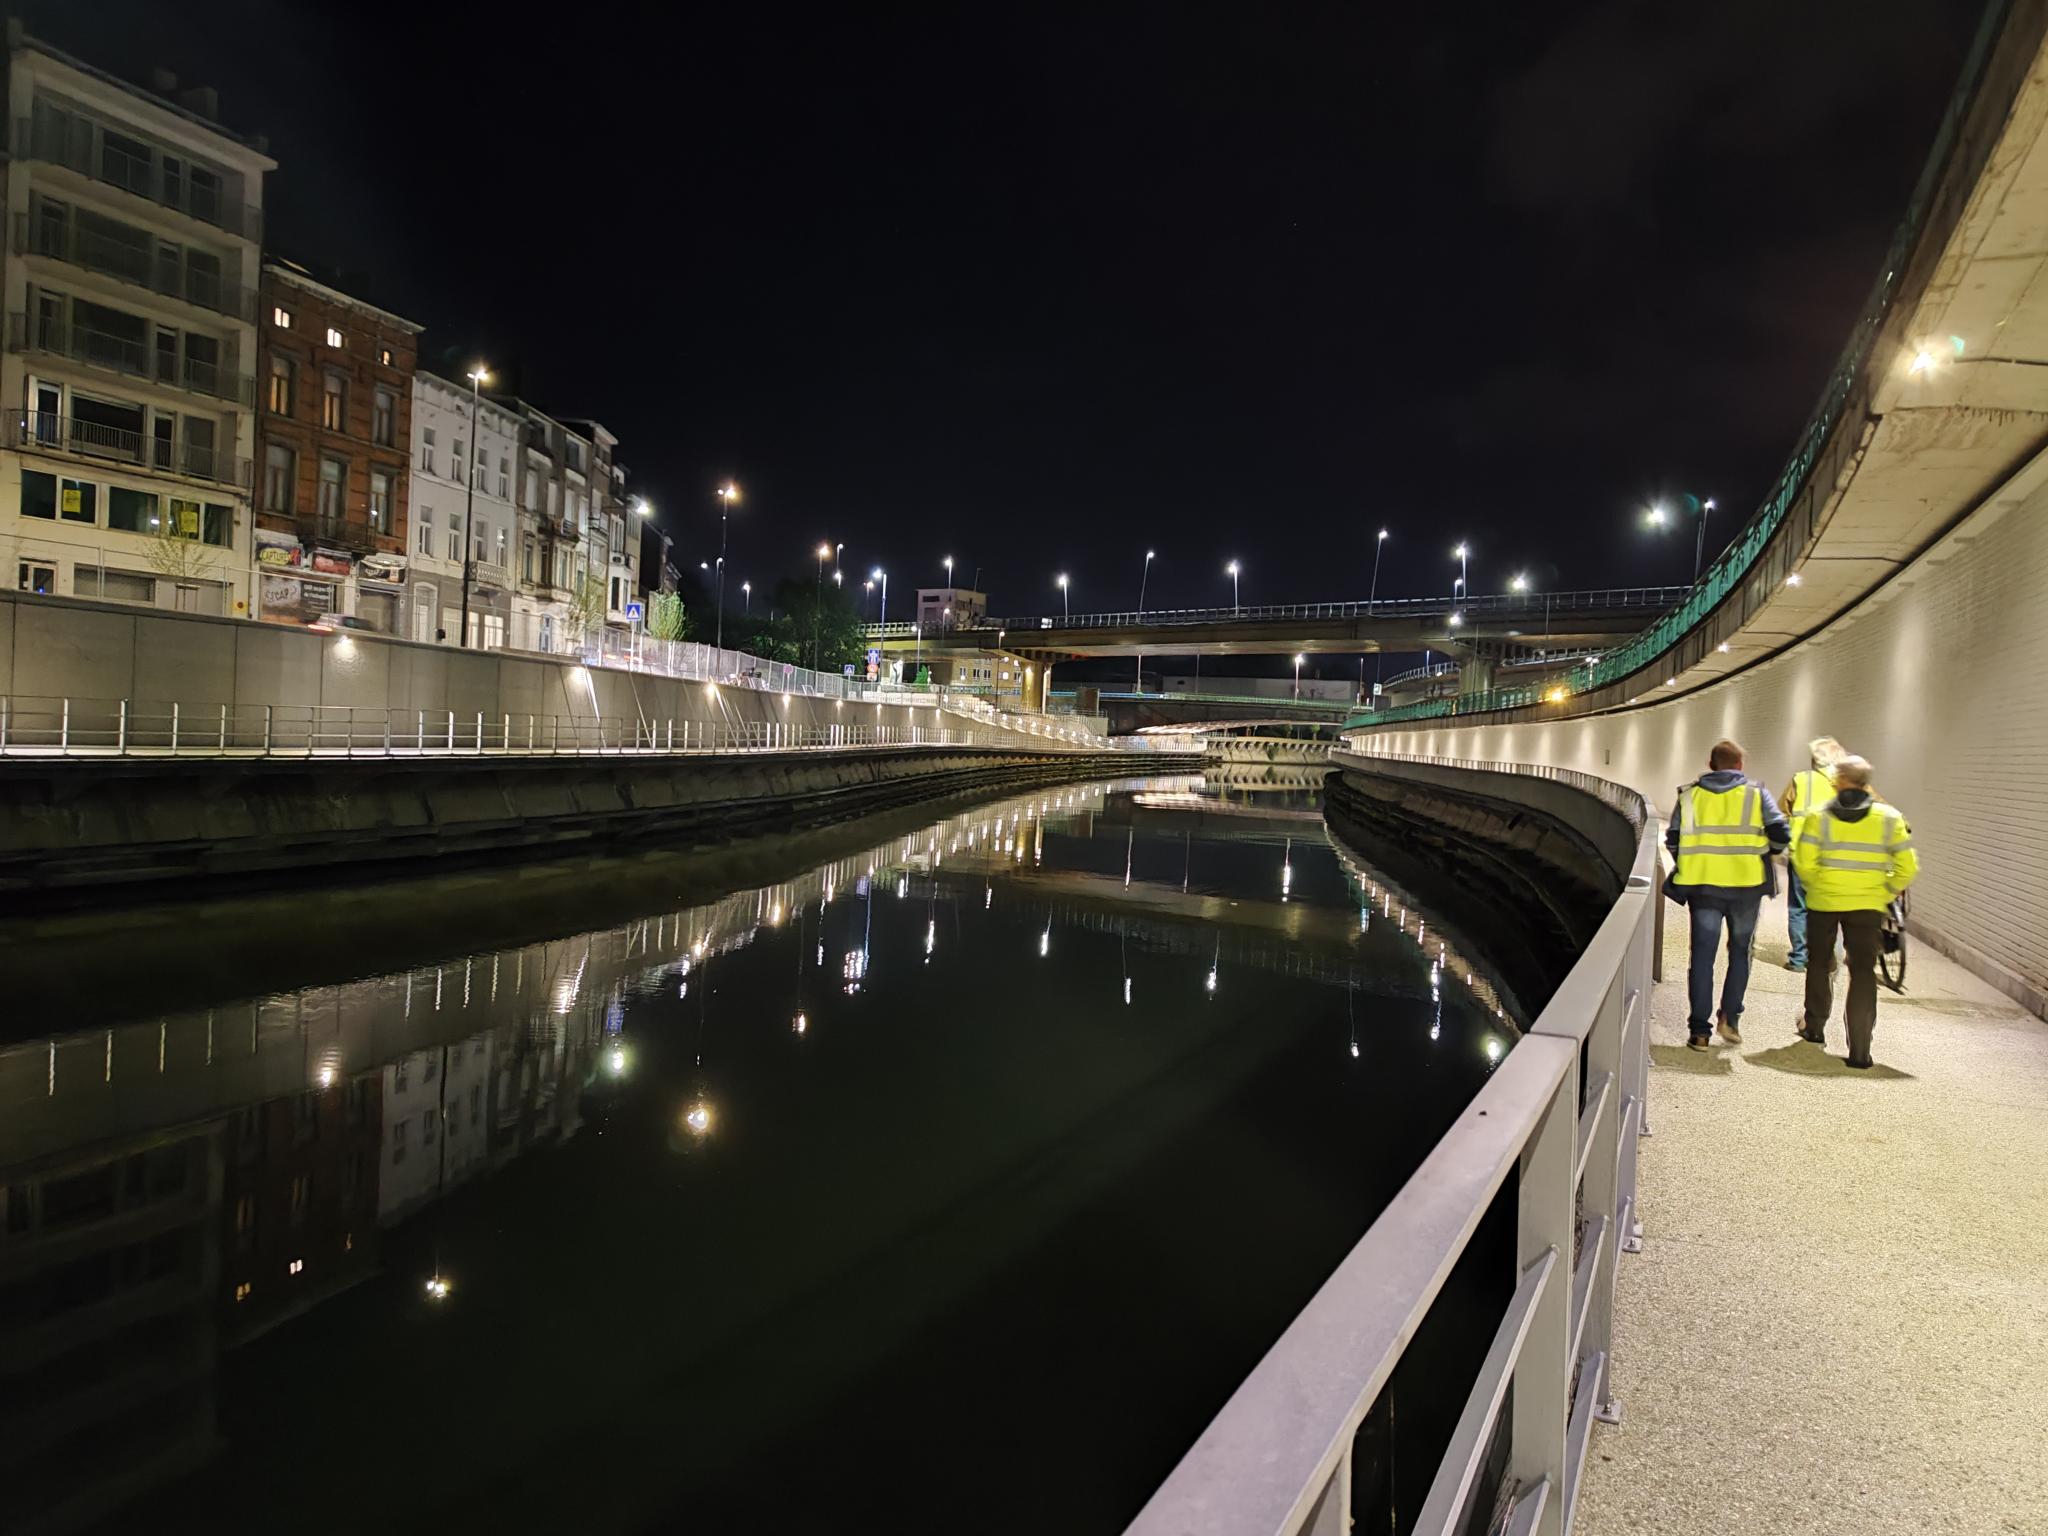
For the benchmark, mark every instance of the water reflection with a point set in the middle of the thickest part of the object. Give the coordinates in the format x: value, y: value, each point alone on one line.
x: 941, y: 1171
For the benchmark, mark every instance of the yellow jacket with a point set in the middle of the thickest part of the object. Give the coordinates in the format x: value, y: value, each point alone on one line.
x: 1854, y: 854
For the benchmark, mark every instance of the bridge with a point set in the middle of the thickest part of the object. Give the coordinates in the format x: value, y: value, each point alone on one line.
x: 1529, y: 620
x: 1834, y: 1304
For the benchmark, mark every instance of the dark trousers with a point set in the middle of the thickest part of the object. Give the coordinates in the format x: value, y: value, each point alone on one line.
x: 1795, y: 915
x: 1709, y: 915
x: 1861, y: 936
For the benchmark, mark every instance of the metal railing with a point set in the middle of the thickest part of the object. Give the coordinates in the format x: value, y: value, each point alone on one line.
x: 94, y: 440
x: 56, y: 726
x: 129, y: 355
x: 146, y: 265
x: 1553, y: 1134
x: 1535, y: 603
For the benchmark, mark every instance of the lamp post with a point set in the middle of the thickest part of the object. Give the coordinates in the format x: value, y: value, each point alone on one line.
x: 1378, y: 549
x: 1230, y: 570
x: 1298, y: 659
x: 728, y: 493
x: 1144, y: 576
x: 1066, y: 607
x: 818, y: 604
x: 747, y: 598
x: 883, y: 577
x: 1699, y: 543
x: 947, y: 562
x: 477, y: 375
x: 1464, y: 570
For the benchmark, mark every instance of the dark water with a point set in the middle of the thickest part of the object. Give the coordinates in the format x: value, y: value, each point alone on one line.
x: 953, y: 1179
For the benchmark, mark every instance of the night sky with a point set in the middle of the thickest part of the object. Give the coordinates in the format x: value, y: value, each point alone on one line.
x: 1042, y: 286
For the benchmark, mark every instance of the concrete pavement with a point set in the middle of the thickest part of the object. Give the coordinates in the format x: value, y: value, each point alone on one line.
x: 1839, y: 1322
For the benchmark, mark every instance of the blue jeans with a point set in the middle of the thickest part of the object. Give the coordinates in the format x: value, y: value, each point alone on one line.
x: 1795, y: 914
x: 1739, y: 913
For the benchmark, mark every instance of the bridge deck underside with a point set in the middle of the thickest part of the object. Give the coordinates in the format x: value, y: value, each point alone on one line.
x: 1835, y: 1326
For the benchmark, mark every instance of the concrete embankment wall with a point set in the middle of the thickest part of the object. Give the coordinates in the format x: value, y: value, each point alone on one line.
x: 142, y: 826
x: 1531, y: 865
x: 1940, y: 678
x: 53, y: 648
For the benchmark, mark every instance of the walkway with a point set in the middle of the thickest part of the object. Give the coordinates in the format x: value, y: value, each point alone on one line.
x: 1839, y: 1322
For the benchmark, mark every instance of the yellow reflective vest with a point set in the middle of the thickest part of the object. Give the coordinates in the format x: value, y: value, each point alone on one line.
x: 1811, y: 789
x: 1721, y: 839
x: 1854, y: 866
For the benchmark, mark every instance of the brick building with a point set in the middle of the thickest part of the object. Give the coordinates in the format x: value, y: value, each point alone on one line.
x: 334, y: 380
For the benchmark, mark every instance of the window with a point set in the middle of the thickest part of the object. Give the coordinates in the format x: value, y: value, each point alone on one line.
x: 280, y: 317
x: 302, y: 1197
x: 426, y: 522
x: 38, y: 494
x: 383, y: 412
x: 37, y: 577
x: 279, y: 398
x: 333, y: 481
x: 131, y: 511
x: 384, y: 356
x: 476, y: 1101
x: 78, y: 501
x: 333, y: 401
x: 427, y: 449
x: 245, y: 1215
x: 398, y: 1141
x: 526, y: 559
x: 458, y: 459
x: 432, y: 1069
x: 333, y: 337
x: 279, y: 477
x: 112, y: 586
x: 202, y: 363
x: 504, y: 478
x: 382, y: 507
x: 494, y: 632
x: 242, y: 1291
x: 480, y: 539
x: 503, y: 557
x: 427, y: 1129
x: 454, y: 539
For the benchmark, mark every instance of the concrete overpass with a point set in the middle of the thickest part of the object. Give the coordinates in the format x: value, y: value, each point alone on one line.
x: 1521, y: 620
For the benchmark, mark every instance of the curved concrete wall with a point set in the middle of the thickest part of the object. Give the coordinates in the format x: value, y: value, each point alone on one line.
x: 1938, y: 678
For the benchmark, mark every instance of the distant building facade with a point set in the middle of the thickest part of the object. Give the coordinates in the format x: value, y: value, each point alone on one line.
x: 466, y: 459
x: 128, y: 369
x: 942, y: 608
x: 335, y: 376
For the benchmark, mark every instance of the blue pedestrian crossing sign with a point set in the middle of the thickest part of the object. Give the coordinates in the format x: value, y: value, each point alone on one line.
x: 634, y: 612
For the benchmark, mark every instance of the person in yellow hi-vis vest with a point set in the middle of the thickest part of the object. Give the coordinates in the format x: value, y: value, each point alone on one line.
x: 1722, y: 833
x: 1853, y: 854
x: 1810, y: 789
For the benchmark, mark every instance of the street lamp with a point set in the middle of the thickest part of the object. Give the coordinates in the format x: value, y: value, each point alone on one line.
x: 1066, y: 607
x: 883, y: 577
x: 1143, y: 576
x: 1230, y: 570
x: 948, y: 564
x: 818, y: 604
x: 728, y: 494
x: 1371, y: 602
x: 477, y: 375
x: 1519, y: 584
x: 1298, y: 659
x: 747, y: 594
x: 646, y: 510
x: 1464, y: 571
x: 1699, y: 543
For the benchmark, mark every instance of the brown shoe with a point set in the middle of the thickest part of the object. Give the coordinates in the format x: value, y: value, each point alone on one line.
x: 1728, y: 1031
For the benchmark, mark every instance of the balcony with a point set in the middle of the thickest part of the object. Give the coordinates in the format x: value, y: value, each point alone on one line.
x: 129, y: 355
x: 354, y: 533
x: 131, y: 264
x: 560, y: 529
x: 70, y: 145
x: 40, y: 431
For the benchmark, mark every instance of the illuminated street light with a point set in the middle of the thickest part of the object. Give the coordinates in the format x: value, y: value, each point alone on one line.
x: 1298, y: 660
x: 438, y: 1287
x: 477, y: 375
x: 728, y: 498
x: 1519, y: 584
x: 697, y: 1118
x: 1143, y: 576
x: 1066, y: 607
x: 1230, y: 570
x: 747, y: 598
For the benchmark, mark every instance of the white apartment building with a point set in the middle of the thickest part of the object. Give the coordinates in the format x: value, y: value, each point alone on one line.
x: 613, y: 541
x: 437, y: 1122
x: 555, y: 502
x: 127, y: 375
x: 453, y: 437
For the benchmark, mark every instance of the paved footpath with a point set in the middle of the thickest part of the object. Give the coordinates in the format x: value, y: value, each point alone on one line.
x: 1839, y: 1322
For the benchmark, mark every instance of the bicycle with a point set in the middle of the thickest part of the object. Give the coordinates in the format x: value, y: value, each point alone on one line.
x: 1891, y: 949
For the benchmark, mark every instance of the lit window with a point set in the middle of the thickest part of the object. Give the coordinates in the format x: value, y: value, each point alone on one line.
x: 333, y: 337
x: 295, y: 1266
x: 384, y: 356
x: 242, y: 1291
x: 281, y: 317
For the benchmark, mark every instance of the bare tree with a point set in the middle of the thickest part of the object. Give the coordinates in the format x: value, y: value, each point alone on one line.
x: 180, y: 555
x: 587, y: 606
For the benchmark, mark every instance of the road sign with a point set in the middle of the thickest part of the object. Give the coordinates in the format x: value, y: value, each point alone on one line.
x: 634, y: 612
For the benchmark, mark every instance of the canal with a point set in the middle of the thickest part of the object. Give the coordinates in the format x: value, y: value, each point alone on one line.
x: 945, y: 1169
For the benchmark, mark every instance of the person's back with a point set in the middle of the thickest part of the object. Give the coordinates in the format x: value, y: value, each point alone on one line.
x: 1853, y: 855
x: 1811, y: 788
x: 1722, y: 832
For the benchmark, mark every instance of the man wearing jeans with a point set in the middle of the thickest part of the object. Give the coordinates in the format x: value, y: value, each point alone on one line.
x: 1723, y: 829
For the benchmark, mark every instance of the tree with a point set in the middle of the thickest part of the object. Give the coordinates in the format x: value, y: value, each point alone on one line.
x: 588, y: 605
x: 180, y: 555
x: 666, y: 617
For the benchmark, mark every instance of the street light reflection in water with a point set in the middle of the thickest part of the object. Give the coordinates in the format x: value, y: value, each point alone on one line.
x: 693, y: 1183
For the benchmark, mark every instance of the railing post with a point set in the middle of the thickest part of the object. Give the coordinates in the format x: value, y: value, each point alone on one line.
x: 451, y: 730
x: 266, y: 728
x: 505, y: 734
x: 1543, y: 1375
x: 64, y: 728
x: 121, y: 740
x: 479, y: 733
x: 174, y: 726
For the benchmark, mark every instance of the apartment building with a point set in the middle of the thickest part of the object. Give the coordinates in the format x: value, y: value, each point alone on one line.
x: 127, y: 376
x: 613, y: 547
x: 555, y: 506
x: 467, y: 453
x: 333, y: 440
